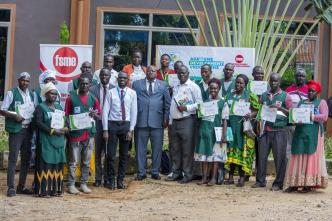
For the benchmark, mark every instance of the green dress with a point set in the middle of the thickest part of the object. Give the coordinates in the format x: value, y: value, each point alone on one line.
x: 205, y: 93
x: 206, y: 135
x: 241, y: 150
x: 231, y: 87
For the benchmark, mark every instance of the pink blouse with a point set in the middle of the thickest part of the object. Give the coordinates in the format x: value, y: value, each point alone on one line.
x: 323, y: 112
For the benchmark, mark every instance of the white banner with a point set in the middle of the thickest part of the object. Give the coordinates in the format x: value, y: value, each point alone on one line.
x: 195, y: 56
x: 66, y: 60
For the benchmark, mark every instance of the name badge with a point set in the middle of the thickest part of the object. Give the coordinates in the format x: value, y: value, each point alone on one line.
x: 278, y: 103
x: 77, y: 110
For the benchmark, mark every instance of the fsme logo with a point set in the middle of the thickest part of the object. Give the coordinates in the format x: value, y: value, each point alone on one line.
x: 65, y: 60
x: 239, y: 58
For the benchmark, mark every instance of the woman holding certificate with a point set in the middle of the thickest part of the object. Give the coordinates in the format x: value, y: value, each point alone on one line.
x: 50, y: 155
x: 243, y: 105
x: 210, y: 146
x: 306, y: 168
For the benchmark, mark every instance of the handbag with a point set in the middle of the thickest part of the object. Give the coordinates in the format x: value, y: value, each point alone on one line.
x: 248, y: 129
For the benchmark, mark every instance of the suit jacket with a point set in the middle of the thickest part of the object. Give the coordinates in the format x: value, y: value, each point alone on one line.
x: 152, y: 110
x: 95, y: 90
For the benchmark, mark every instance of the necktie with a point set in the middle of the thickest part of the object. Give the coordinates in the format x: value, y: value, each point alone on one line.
x: 123, y: 110
x: 104, y: 94
x: 150, y: 88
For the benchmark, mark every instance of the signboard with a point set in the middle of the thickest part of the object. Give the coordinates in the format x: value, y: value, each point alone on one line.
x: 195, y: 56
x: 66, y: 61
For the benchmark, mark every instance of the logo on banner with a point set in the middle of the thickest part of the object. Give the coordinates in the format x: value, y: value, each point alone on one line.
x: 239, y: 61
x: 65, y: 60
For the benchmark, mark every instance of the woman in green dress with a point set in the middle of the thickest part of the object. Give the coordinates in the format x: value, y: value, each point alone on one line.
x: 50, y: 154
x: 241, y: 150
x: 208, y: 151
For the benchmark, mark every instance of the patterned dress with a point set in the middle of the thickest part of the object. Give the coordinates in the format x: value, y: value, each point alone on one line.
x: 241, y: 150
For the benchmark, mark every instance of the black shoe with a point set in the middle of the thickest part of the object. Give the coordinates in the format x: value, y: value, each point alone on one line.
x: 120, y: 185
x: 11, y: 192
x: 105, y: 183
x: 97, y: 183
x: 23, y: 190
x: 110, y: 185
x: 184, y: 180
x: 173, y: 178
x: 275, y: 188
x: 257, y: 185
x: 155, y: 177
x: 140, y: 178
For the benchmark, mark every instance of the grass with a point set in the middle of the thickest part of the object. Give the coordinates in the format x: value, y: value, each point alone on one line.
x: 328, y: 147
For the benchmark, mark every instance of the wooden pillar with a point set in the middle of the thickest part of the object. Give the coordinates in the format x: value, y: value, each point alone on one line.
x: 79, y: 21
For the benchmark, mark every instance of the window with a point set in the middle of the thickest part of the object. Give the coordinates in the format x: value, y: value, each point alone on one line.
x: 122, y: 32
x: 4, y: 45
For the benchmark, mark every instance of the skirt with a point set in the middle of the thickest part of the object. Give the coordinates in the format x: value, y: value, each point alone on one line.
x: 308, y: 170
x: 219, y: 154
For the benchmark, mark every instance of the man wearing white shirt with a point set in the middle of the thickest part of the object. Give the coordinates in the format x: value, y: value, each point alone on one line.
x: 119, y: 120
x: 19, y: 130
x: 186, y: 96
x: 108, y: 64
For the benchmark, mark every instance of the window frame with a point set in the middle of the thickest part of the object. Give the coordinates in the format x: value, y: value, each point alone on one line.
x: 10, y: 44
x: 101, y: 27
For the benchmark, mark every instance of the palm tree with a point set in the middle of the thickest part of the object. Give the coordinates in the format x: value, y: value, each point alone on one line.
x: 245, y: 28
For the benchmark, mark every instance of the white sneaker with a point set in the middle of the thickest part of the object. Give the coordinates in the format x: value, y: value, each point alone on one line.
x: 84, y: 188
x: 73, y: 190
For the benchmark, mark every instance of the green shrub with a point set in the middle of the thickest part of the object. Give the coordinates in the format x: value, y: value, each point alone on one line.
x: 64, y: 33
x: 328, y: 147
x: 3, y: 141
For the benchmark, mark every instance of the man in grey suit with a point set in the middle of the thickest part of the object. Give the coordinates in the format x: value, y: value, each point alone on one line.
x: 100, y: 91
x: 153, y: 101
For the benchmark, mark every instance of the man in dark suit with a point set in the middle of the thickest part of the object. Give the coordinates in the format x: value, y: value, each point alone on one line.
x: 100, y: 91
x: 153, y: 102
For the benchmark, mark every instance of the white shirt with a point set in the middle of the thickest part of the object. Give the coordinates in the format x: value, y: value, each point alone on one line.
x: 138, y: 74
x: 113, y: 78
x: 191, y: 91
x: 148, y: 84
x: 9, y: 99
x: 112, y: 107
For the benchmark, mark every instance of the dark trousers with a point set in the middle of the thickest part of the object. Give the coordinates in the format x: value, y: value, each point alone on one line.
x: 277, y: 140
x: 19, y: 142
x: 142, y: 136
x: 232, y: 168
x: 182, y: 146
x: 100, y: 150
x: 117, y: 133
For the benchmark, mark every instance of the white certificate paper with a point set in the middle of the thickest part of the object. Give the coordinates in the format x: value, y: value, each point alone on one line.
x: 258, y: 87
x: 58, y: 120
x: 209, y: 108
x: 268, y: 114
x: 300, y: 115
x: 80, y: 121
x: 25, y: 110
x: 218, y: 133
x: 241, y: 108
x: 173, y: 80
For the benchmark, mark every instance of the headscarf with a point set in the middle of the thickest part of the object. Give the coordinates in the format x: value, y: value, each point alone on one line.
x: 47, y: 87
x: 46, y: 74
x: 314, y: 85
x: 24, y: 75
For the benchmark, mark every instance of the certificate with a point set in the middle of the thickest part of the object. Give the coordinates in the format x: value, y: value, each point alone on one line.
x: 268, y: 114
x: 218, y: 131
x: 209, y: 108
x: 258, y: 87
x: 173, y: 80
x: 25, y: 110
x: 80, y: 121
x: 58, y: 120
x: 300, y: 115
x: 240, y: 108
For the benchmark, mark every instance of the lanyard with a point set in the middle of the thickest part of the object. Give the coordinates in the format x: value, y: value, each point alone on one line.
x: 164, y: 76
x: 119, y: 93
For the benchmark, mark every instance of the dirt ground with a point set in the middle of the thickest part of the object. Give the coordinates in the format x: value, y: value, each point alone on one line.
x: 161, y: 200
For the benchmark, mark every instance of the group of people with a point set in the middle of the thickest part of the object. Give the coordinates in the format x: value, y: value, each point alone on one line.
x: 138, y: 104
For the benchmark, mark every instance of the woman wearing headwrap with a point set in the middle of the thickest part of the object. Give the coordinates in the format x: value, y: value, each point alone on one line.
x: 50, y: 155
x: 306, y: 168
x: 44, y: 78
